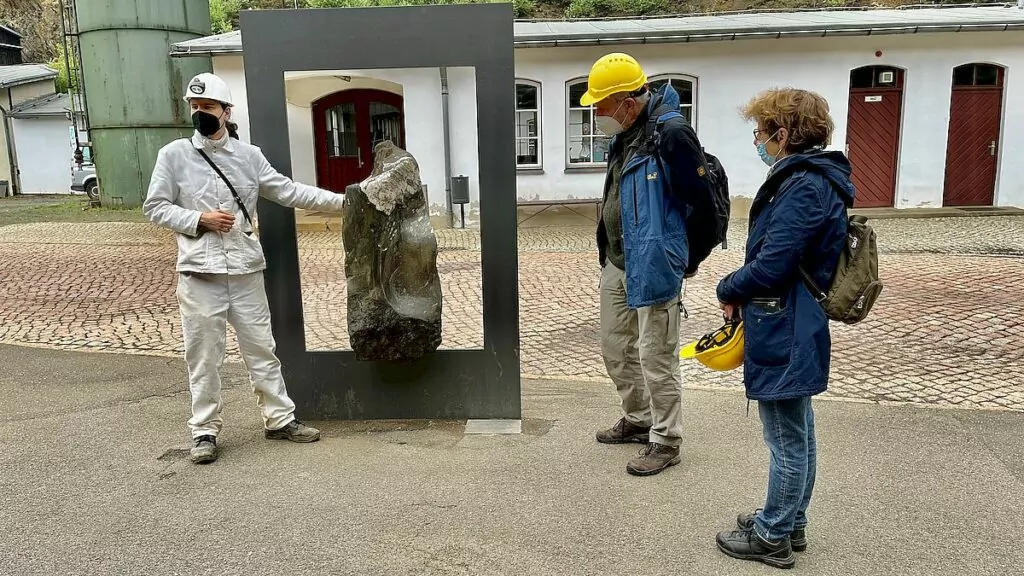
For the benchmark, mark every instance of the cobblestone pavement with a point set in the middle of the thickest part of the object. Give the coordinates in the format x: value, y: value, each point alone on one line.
x: 946, y: 331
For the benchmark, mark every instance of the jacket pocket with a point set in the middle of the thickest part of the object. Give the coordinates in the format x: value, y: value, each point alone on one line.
x: 768, y: 332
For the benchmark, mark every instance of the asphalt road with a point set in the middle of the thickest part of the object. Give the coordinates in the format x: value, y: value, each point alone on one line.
x: 94, y: 481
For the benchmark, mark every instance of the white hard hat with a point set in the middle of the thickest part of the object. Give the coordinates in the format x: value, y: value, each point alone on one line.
x: 210, y: 86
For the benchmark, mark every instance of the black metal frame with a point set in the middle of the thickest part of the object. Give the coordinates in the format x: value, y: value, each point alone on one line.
x: 481, y: 383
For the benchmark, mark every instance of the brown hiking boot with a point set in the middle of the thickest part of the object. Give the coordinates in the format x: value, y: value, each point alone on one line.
x: 624, y: 432
x: 653, y: 459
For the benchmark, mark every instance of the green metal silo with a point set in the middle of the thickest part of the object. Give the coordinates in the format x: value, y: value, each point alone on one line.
x: 133, y: 88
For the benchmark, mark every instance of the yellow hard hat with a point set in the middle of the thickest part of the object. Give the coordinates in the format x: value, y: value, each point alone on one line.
x: 611, y: 74
x: 719, y: 350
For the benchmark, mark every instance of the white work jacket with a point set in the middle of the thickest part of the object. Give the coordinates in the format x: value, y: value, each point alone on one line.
x: 184, y: 186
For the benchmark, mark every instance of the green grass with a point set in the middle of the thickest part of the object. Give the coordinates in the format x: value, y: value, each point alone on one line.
x: 35, y: 209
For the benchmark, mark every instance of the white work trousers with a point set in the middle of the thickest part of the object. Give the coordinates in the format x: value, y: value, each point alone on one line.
x: 208, y: 302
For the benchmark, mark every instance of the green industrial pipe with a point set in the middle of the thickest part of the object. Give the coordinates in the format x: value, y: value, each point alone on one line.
x: 133, y: 89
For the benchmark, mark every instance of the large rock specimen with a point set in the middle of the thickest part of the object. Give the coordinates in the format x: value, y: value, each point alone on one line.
x: 394, y: 291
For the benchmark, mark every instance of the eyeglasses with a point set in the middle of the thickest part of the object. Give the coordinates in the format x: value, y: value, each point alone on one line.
x: 757, y: 135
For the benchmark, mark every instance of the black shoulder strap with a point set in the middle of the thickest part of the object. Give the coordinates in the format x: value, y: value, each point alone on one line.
x: 226, y: 181
x: 651, y: 129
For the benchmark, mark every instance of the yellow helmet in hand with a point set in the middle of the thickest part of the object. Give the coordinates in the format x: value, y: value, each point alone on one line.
x: 719, y: 350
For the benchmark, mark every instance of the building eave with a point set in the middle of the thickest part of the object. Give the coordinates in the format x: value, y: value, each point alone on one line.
x: 6, y: 28
x: 668, y: 38
x: 28, y: 80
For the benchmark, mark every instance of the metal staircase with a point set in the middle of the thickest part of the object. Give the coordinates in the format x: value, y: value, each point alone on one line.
x: 76, y: 87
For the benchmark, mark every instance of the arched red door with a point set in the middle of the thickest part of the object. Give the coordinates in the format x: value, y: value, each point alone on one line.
x: 346, y: 127
x: 873, y: 133
x: 972, y: 149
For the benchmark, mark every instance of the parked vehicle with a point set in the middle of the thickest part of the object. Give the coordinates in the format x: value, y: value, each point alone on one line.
x: 83, y: 179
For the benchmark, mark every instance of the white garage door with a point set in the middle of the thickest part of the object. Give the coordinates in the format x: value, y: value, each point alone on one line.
x: 44, y: 155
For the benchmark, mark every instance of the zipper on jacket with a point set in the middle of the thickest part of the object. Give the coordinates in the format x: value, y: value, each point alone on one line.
x: 627, y: 167
x: 636, y: 211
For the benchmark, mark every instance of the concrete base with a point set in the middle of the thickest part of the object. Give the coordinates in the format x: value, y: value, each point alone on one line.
x: 494, y: 427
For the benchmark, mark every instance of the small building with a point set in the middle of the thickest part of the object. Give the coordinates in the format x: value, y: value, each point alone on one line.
x: 19, y: 83
x: 43, y: 135
x: 921, y: 98
x: 10, y: 46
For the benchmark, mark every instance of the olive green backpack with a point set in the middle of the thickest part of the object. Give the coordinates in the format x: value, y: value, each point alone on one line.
x: 855, y: 285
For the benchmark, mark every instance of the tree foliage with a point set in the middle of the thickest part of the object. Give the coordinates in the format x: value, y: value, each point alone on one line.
x: 39, y: 22
x: 224, y: 13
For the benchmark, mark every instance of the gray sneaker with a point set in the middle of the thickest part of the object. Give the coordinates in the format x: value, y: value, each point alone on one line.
x: 295, y: 431
x: 205, y: 450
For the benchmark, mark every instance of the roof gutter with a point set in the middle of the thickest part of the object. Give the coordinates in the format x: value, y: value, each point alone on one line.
x: 189, y: 52
x: 555, y: 41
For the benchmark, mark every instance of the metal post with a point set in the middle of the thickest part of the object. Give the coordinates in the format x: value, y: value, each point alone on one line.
x: 446, y: 129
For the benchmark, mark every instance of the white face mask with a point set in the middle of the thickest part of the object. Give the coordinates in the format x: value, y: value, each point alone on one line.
x: 608, y: 125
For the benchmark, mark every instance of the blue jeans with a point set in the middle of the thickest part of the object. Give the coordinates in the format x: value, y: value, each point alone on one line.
x: 789, y: 433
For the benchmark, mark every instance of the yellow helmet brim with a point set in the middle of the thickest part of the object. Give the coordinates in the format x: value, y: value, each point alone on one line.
x: 719, y: 350
x: 689, y: 351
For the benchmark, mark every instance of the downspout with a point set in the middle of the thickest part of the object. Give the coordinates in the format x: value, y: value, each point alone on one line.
x: 447, y: 148
x: 15, y: 187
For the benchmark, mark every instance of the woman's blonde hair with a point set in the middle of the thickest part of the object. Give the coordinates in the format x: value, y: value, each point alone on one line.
x: 804, y: 114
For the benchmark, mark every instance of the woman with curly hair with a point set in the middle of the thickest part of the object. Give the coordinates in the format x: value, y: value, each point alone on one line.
x: 797, y: 221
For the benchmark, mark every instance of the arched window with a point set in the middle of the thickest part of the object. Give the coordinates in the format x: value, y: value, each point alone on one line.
x: 528, y: 138
x: 584, y: 144
x: 978, y: 75
x: 686, y: 86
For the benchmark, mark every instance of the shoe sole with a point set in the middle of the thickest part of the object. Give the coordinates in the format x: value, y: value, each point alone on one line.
x: 298, y: 439
x: 798, y: 545
x: 645, y: 439
x: 204, y: 459
x: 636, y: 472
x: 773, y: 562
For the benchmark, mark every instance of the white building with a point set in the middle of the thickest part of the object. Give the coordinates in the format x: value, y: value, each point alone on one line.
x: 19, y: 83
x: 44, y: 138
x: 925, y: 101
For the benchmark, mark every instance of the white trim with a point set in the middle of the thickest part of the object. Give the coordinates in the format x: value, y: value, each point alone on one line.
x: 568, y: 107
x: 540, y: 124
x: 695, y: 84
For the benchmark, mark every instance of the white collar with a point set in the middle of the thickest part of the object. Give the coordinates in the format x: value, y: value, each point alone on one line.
x: 202, y: 142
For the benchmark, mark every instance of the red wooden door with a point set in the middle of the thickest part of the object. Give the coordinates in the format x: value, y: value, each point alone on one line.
x: 346, y: 127
x: 972, y: 149
x: 873, y: 134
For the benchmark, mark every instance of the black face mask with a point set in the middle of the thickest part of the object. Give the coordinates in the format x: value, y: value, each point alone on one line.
x: 205, y: 123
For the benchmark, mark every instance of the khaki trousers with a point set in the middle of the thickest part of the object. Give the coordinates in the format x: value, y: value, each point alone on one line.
x: 641, y: 352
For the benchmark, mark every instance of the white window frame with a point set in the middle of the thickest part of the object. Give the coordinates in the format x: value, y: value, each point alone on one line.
x: 540, y: 123
x: 693, y: 81
x: 568, y: 108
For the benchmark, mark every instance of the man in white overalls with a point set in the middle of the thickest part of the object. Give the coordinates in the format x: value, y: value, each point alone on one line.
x: 205, y: 189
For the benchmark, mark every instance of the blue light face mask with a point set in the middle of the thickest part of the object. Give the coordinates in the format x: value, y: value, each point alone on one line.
x: 762, y: 151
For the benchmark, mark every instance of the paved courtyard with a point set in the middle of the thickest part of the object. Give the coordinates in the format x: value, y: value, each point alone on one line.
x: 946, y: 331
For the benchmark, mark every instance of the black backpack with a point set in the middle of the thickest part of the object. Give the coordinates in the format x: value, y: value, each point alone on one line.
x: 708, y: 222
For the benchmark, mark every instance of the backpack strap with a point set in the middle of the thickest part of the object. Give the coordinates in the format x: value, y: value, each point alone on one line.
x: 652, y: 135
x: 660, y: 115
